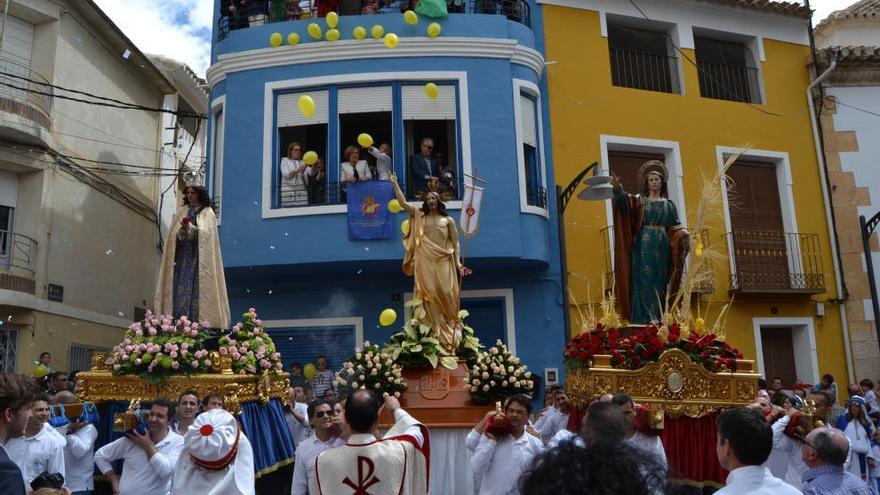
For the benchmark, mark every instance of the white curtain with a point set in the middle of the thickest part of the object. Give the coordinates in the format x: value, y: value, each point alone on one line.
x: 451, y: 472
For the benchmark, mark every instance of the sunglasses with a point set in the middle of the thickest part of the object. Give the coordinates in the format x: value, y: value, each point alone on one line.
x: 321, y: 414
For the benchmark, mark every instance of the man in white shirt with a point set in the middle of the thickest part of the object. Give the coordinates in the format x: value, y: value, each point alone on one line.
x: 79, y: 450
x: 321, y: 414
x: 744, y: 443
x: 557, y: 421
x: 501, y: 461
x: 634, y: 437
x: 549, y: 407
x: 187, y: 409
x: 297, y: 416
x: 787, y: 448
x: 383, y: 159
x: 17, y: 394
x: 149, y: 459
x: 41, y: 448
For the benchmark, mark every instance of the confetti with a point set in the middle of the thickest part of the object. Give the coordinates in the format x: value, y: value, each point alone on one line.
x: 78, y: 40
x: 360, y: 271
x: 109, y: 252
x: 285, y: 234
x: 248, y: 291
x: 272, y: 247
x: 366, y: 249
x: 61, y: 149
x: 67, y: 242
x: 255, y: 203
x: 121, y: 313
x: 289, y: 338
x: 270, y: 292
x: 126, y: 54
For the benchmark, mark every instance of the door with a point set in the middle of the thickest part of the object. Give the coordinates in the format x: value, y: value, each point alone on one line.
x: 778, y: 349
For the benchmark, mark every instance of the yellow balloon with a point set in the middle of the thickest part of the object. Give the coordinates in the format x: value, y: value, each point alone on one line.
x: 404, y: 227
x: 431, y: 90
x: 310, y: 158
x: 40, y: 371
x: 292, y: 39
x: 387, y: 317
x: 332, y: 20
x: 391, y: 40
x: 332, y: 34
x: 410, y: 17
x: 359, y: 33
x: 377, y: 31
x: 365, y: 140
x: 394, y: 206
x: 275, y: 40
x: 434, y: 30
x: 309, y: 371
x: 306, y: 105
x: 314, y: 31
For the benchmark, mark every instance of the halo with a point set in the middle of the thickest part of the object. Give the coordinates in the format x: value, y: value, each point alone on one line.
x: 652, y: 166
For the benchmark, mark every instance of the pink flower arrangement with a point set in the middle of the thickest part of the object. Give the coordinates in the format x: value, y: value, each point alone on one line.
x: 251, y: 349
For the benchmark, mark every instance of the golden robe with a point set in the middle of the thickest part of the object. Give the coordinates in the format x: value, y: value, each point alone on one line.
x: 213, y: 301
x: 436, y: 273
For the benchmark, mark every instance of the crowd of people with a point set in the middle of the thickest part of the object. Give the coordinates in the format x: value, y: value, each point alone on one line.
x: 303, y: 184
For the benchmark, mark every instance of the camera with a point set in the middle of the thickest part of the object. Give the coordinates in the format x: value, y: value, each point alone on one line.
x: 46, y: 480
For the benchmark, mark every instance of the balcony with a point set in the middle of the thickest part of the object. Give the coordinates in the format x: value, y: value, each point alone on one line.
x: 775, y: 263
x: 19, y: 252
x: 286, y: 196
x: 642, y: 70
x: 515, y: 10
x: 728, y: 82
x: 20, y: 96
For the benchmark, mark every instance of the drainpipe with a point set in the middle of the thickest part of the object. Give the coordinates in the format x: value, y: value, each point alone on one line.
x: 829, y: 217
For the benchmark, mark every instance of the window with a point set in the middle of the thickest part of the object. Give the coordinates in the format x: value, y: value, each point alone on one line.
x: 304, y: 344
x: 641, y: 57
x: 726, y: 70
x: 6, y: 215
x: 536, y: 194
x: 425, y: 118
x: 366, y: 110
x: 8, y: 348
x: 81, y: 356
x: 217, y: 158
x: 15, y: 58
x: 311, y: 135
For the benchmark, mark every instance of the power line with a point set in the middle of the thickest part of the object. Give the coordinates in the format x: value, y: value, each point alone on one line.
x: 700, y: 69
x: 856, y: 108
x: 102, y: 162
x: 145, y: 173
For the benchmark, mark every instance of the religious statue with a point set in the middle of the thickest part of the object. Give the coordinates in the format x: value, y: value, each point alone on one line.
x: 433, y: 260
x: 650, y: 245
x: 191, y: 280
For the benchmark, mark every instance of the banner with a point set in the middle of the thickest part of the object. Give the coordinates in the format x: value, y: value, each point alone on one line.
x: 368, y: 215
x: 470, y: 210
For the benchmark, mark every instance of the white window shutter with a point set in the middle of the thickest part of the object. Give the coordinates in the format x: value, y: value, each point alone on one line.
x: 418, y: 106
x: 364, y: 100
x: 18, y: 41
x: 290, y: 116
x: 8, y: 189
x: 529, y: 123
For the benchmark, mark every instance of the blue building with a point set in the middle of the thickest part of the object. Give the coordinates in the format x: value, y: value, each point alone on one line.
x: 321, y: 293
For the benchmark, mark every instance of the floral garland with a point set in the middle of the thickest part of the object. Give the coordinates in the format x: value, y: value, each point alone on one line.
x: 646, y: 346
x: 370, y: 369
x: 498, y: 374
x: 160, y: 345
x: 251, y: 349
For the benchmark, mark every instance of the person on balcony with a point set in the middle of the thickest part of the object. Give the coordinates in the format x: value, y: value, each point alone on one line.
x: 316, y: 184
x: 353, y: 170
x: 650, y: 245
x: 370, y: 7
x: 234, y: 12
x: 325, y: 7
x: 383, y: 159
x: 422, y: 167
x: 390, y: 7
x: 293, y: 181
x: 258, y: 12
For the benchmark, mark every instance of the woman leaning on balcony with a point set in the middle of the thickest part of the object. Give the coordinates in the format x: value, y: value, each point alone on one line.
x: 650, y: 246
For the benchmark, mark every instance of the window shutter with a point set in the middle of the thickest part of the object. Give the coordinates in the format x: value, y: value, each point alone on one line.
x: 304, y: 344
x: 8, y: 189
x: 778, y: 351
x: 18, y: 41
x: 364, y: 100
x: 290, y: 116
x: 529, y: 123
x: 626, y: 165
x: 754, y: 198
x: 418, y: 106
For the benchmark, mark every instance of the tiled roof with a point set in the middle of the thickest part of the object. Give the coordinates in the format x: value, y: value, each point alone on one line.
x: 863, y: 9
x: 785, y: 8
x: 852, y: 53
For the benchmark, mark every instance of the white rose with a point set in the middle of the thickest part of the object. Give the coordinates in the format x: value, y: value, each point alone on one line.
x: 354, y: 385
x: 473, y: 389
x: 492, y: 383
x: 397, y: 394
x: 494, y: 351
x: 378, y: 385
x: 374, y: 372
x: 369, y: 364
x: 357, y: 356
x: 502, y: 372
x: 517, y: 384
x: 475, y: 381
x: 361, y: 378
x: 504, y: 383
x: 510, y: 369
x: 517, y: 373
x: 528, y: 374
x: 485, y: 375
x: 363, y: 387
x: 485, y: 388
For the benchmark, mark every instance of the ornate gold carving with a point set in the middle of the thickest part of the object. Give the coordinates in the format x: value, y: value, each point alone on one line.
x: 700, y: 392
x: 98, y: 363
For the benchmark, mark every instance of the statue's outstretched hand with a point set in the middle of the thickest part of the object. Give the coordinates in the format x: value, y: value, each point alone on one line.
x: 392, y: 178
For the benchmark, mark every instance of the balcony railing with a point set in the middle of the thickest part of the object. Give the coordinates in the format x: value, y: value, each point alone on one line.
x: 17, y: 250
x: 287, y: 196
x: 515, y: 10
x: 18, y: 94
x: 642, y: 70
x: 728, y: 82
x: 536, y: 196
x: 705, y: 280
x: 776, y: 262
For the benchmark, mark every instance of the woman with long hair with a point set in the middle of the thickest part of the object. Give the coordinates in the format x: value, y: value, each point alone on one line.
x: 856, y: 425
x: 191, y: 280
x: 293, y: 182
x: 650, y: 245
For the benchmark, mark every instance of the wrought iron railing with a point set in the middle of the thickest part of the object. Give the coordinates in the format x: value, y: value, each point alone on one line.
x: 728, y: 82
x: 20, y: 84
x: 776, y: 262
x: 642, y: 70
x: 536, y: 196
x: 515, y: 10
x: 324, y: 194
x: 17, y: 250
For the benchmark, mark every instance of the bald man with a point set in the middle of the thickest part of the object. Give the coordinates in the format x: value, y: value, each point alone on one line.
x: 824, y: 452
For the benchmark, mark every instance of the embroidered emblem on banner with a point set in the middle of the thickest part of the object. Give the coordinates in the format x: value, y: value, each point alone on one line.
x: 369, y: 207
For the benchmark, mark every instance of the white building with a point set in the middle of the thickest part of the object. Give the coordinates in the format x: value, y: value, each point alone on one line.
x: 850, y: 121
x: 79, y: 185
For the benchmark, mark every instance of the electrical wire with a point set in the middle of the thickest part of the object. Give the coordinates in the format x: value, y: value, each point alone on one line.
x: 101, y: 162
x: 700, y: 69
x: 837, y: 101
x: 103, y: 170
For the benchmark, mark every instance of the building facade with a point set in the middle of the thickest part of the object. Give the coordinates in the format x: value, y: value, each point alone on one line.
x: 692, y: 83
x: 848, y: 114
x: 81, y: 185
x: 318, y: 291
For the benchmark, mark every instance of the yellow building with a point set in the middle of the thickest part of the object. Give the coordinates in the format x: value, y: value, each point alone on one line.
x: 690, y: 82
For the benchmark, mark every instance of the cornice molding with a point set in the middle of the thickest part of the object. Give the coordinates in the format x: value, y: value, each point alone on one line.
x: 372, y: 49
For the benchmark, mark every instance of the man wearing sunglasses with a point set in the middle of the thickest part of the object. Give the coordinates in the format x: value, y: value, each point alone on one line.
x: 321, y: 416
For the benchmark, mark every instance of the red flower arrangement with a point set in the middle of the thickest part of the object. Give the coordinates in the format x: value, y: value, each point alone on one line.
x: 647, y: 345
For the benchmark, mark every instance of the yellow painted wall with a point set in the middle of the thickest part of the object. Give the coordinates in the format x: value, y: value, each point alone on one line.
x: 584, y: 105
